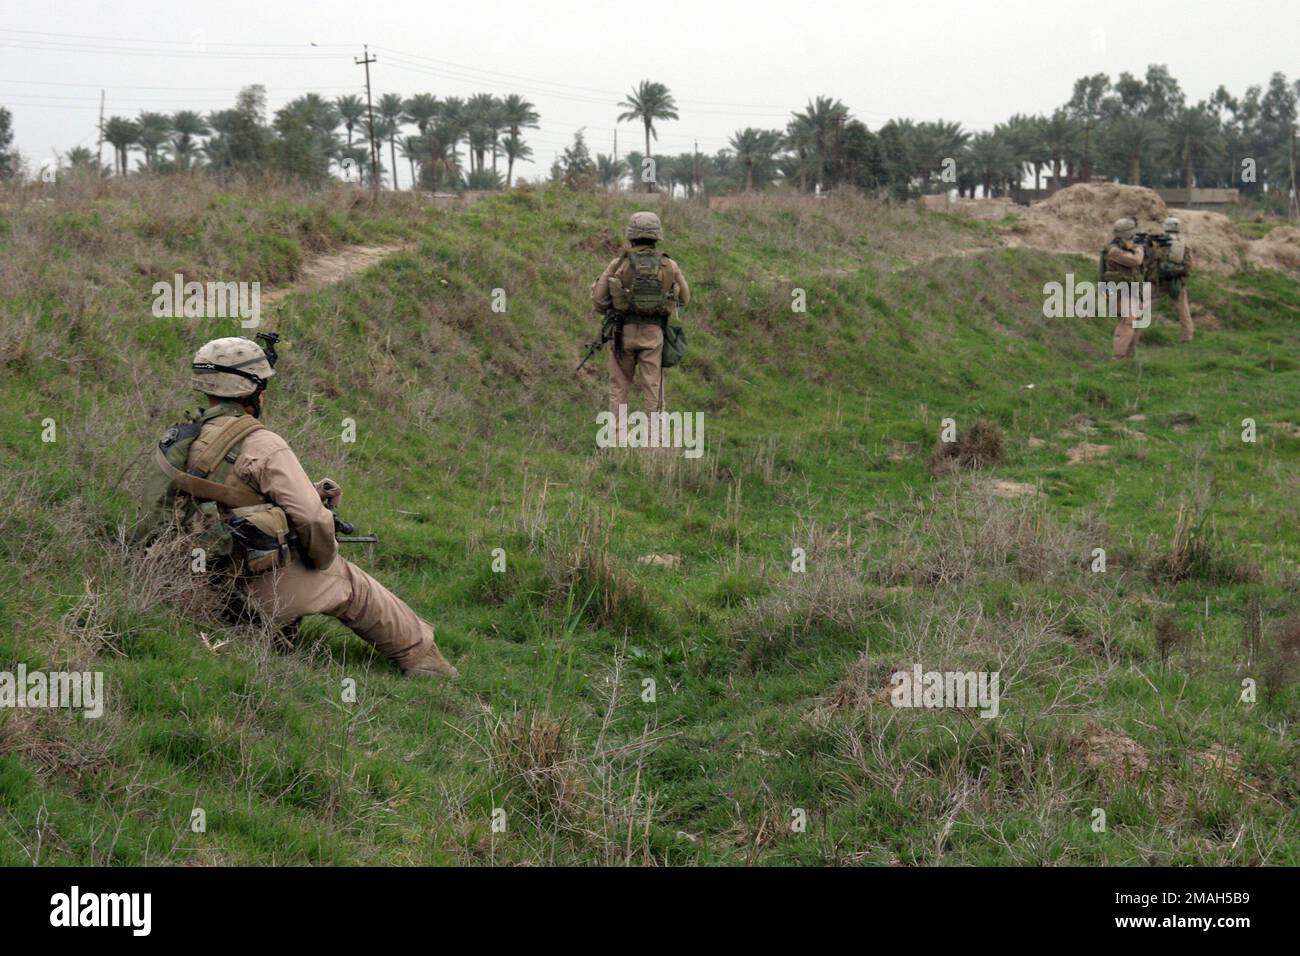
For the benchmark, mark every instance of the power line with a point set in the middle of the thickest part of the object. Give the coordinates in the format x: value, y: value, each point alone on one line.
x: 87, y: 36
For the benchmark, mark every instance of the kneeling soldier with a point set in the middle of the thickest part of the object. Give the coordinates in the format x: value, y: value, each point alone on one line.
x: 242, y: 483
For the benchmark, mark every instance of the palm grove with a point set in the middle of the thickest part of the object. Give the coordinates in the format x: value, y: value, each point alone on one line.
x: 421, y: 141
x: 1139, y: 130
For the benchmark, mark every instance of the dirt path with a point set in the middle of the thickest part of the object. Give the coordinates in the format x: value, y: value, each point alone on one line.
x: 334, y: 267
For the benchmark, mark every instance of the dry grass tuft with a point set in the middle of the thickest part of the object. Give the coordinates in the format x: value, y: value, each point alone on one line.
x: 1169, y: 633
x: 536, y: 755
x: 983, y: 444
x: 1283, y: 659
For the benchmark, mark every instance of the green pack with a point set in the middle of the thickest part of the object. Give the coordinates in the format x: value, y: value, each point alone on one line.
x: 674, y: 345
x: 647, y: 296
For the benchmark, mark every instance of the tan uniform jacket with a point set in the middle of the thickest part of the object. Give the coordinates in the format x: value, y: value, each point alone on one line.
x: 267, y: 464
x: 1123, y: 265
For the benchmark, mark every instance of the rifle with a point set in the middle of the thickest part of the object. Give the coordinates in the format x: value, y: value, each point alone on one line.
x: 345, y: 532
x: 1151, y: 239
x: 607, y: 330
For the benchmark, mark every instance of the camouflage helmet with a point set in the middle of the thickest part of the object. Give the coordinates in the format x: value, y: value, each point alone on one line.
x: 1124, y: 228
x: 230, y: 368
x: 1173, y: 225
x: 644, y: 225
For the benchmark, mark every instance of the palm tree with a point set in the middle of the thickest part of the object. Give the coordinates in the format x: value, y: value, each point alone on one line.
x: 1194, y: 138
x: 454, y: 118
x: 755, y: 148
x: 392, y: 111
x: 154, y: 130
x: 411, y: 148
x: 647, y: 103
x: 187, y: 126
x: 991, y: 159
x: 422, y: 109
x: 819, y: 124
x: 351, y: 109
x: 518, y: 114
x: 515, y: 149
x: 1133, y: 137
x: 1059, y: 135
x: 121, y: 134
x: 79, y: 157
x: 608, y: 171
x: 930, y: 144
x: 800, y: 136
x: 480, y: 116
x: 440, y: 162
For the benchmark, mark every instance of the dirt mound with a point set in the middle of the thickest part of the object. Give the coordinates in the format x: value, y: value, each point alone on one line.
x: 1215, y: 243
x: 1085, y: 452
x: 1111, y: 753
x: 1280, y: 249
x: 1078, y: 219
x: 1006, y: 488
x: 1100, y: 204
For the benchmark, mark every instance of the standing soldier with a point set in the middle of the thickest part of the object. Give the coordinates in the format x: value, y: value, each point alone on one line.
x: 244, y: 489
x: 642, y: 288
x: 1175, y: 265
x: 1121, y: 261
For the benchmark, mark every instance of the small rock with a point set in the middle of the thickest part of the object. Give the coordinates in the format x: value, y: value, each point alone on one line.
x: 662, y: 560
x: 1083, y: 453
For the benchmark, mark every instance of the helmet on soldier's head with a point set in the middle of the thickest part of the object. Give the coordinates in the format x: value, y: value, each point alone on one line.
x: 230, y: 368
x: 1124, y: 228
x: 644, y: 225
x: 1173, y: 225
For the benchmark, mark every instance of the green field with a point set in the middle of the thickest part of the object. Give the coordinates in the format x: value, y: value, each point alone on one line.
x: 474, y: 434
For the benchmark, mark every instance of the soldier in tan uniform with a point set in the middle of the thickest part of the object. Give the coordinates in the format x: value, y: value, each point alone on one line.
x: 248, y: 482
x: 1175, y: 265
x: 1122, y: 262
x: 638, y: 339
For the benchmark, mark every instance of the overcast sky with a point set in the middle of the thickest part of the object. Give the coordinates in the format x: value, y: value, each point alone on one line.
x: 729, y: 64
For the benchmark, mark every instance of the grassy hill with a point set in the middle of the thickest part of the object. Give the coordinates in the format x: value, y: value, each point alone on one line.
x: 474, y: 434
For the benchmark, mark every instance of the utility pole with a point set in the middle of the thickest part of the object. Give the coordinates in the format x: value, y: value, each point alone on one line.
x: 367, y: 59
x: 839, y: 155
x: 695, y: 170
x: 1295, y: 200
x: 99, y: 159
x: 617, y: 179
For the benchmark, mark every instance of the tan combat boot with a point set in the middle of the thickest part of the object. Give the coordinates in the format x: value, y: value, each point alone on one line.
x: 429, y: 661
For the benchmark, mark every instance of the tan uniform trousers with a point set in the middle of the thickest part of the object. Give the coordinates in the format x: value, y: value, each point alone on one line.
x: 345, y: 592
x: 643, y: 349
x: 1184, y: 314
x: 1124, y: 341
x: 331, y: 584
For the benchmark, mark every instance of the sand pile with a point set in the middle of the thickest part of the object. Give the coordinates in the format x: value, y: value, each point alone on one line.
x: 1078, y: 219
x: 1280, y: 249
x: 1215, y: 243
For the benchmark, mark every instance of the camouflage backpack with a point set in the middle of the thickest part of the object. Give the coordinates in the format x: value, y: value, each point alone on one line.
x: 648, y: 301
x: 647, y: 296
x: 194, y: 487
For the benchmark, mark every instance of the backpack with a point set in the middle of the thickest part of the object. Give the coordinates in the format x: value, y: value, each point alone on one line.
x: 236, y: 524
x: 1173, y: 264
x: 646, y: 300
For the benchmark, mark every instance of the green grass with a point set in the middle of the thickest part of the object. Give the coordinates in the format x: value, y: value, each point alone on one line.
x: 473, y: 434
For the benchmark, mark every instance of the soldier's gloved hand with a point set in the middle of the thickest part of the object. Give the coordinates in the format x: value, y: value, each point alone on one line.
x: 329, y: 492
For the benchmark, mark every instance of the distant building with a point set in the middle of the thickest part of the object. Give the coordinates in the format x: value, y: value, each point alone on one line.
x: 1197, y: 198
